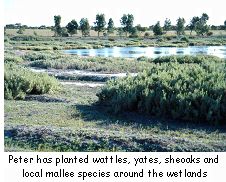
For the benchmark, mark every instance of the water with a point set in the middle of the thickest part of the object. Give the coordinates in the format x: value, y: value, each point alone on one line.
x: 152, y: 52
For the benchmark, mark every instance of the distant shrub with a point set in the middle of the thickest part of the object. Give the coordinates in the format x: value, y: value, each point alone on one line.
x: 184, y: 39
x: 35, y: 48
x: 98, y: 64
x: 6, y: 39
x: 172, y: 90
x: 111, y: 39
x: 147, y: 34
x: 25, y: 38
x: 19, y: 81
x: 33, y: 56
x: 160, y: 39
x: 12, y: 58
x: 199, y: 59
x: 143, y: 58
x: 169, y: 38
x: 209, y: 33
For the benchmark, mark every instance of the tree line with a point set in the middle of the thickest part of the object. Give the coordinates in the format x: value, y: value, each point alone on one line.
x: 196, y: 24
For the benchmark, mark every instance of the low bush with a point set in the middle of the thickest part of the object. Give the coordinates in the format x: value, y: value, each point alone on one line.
x: 209, y: 34
x: 25, y: 38
x: 99, y: 64
x: 19, y: 81
x: 185, y: 39
x: 171, y: 90
x: 199, y: 59
x: 42, y: 55
x: 147, y: 34
x: 12, y: 58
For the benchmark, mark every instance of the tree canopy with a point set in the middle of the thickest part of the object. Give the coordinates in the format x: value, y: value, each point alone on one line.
x: 100, y: 23
x: 180, y: 26
x: 72, y: 27
x: 57, y: 27
x: 157, y: 29
x: 110, y: 27
x: 84, y: 26
x: 167, y: 25
x: 127, y: 23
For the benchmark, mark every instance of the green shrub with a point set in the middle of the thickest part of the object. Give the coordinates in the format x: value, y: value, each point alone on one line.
x: 147, y: 34
x: 199, y: 59
x: 172, y: 90
x: 143, y: 58
x: 19, y: 81
x: 12, y: 58
x: 99, y: 64
x: 209, y: 34
x: 185, y: 39
x: 111, y: 39
x: 25, y: 38
x: 42, y: 55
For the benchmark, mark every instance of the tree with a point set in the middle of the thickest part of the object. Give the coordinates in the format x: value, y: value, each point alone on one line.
x: 84, y: 26
x: 21, y: 30
x: 140, y: 28
x: 72, y: 27
x: 180, y: 26
x: 193, y: 23
x: 99, y: 23
x: 157, y: 29
x: 201, y: 26
x: 225, y: 24
x: 110, y: 27
x: 57, y: 28
x: 134, y: 33
x: 167, y: 25
x: 127, y: 23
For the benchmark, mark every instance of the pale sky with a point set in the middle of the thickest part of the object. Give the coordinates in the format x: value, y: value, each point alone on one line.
x: 146, y: 12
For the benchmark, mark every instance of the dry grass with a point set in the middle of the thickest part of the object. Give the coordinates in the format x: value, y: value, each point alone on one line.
x: 48, y: 32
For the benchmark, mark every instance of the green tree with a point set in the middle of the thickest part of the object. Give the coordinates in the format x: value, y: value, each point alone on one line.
x: 201, y: 27
x: 110, y: 26
x: 57, y: 28
x: 99, y: 23
x: 225, y: 24
x: 157, y: 29
x: 84, y: 26
x: 134, y: 33
x: 127, y: 23
x: 72, y: 27
x: 167, y: 25
x: 193, y: 23
x: 140, y: 28
x: 180, y: 26
x: 21, y: 30
x: 64, y: 32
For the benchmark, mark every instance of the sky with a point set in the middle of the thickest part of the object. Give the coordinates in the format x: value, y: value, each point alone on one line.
x: 146, y: 12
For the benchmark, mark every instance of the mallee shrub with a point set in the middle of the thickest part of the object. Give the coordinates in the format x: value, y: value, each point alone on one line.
x: 191, y: 92
x: 19, y: 81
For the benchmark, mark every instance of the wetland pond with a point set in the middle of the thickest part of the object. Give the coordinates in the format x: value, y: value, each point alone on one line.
x: 152, y: 52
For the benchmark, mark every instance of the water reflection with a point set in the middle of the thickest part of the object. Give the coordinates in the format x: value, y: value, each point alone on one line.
x: 153, y: 52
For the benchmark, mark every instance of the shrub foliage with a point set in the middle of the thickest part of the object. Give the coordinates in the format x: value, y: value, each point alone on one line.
x: 193, y: 91
x: 19, y: 81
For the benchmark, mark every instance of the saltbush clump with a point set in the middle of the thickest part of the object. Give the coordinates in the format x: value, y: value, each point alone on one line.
x: 43, y: 55
x: 12, y: 58
x: 188, y: 92
x: 19, y: 81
